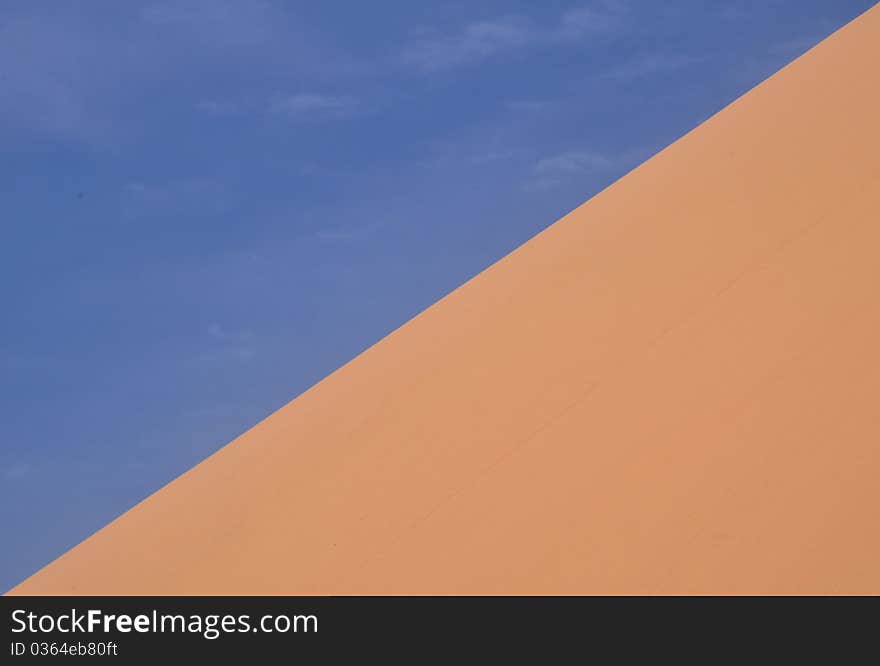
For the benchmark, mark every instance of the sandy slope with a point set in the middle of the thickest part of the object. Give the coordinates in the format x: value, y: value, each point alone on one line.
x: 674, y: 389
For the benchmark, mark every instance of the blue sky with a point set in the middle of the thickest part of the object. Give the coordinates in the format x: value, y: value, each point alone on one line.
x: 208, y: 205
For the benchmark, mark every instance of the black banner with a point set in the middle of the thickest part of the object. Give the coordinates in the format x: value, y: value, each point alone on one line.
x: 131, y: 629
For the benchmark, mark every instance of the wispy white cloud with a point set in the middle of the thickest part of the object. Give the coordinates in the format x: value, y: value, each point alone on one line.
x: 575, y: 162
x: 16, y: 471
x: 295, y: 106
x: 797, y: 46
x: 552, y: 171
x: 44, y: 83
x: 476, y: 41
x: 651, y: 64
x: 226, y: 346
x: 65, y: 74
x: 234, y: 22
x: 432, y: 50
x: 220, y: 333
x: 311, y: 106
x: 183, y: 199
x: 599, y: 18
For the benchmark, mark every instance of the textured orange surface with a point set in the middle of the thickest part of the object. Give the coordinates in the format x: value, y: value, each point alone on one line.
x: 674, y: 389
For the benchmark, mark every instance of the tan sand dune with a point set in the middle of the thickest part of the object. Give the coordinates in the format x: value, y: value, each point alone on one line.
x: 674, y: 389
